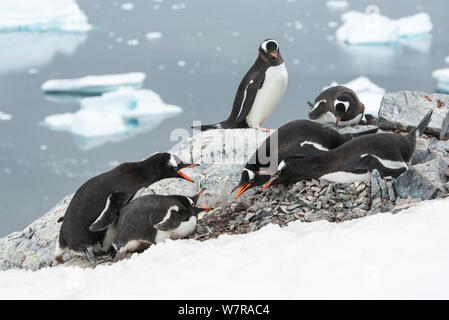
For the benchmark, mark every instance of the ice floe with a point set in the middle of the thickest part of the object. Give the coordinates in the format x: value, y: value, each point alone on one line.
x: 25, y: 50
x: 373, y: 28
x: 127, y: 6
x: 153, y: 35
x: 442, y: 75
x: 94, y: 84
x: 39, y: 15
x: 369, y: 93
x: 5, y: 116
x: 113, y: 117
x: 337, y: 4
x: 447, y: 59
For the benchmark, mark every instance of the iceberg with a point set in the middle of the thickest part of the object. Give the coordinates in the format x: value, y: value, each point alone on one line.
x: 442, y: 76
x: 113, y: 117
x: 5, y: 116
x: 369, y: 93
x: 373, y: 28
x: 337, y: 4
x: 94, y: 84
x: 38, y: 15
x: 25, y: 50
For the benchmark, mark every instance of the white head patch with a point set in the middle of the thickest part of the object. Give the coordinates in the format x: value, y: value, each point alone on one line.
x: 345, y: 103
x: 172, y: 161
x: 282, y: 165
x: 251, y: 174
x: 264, y: 45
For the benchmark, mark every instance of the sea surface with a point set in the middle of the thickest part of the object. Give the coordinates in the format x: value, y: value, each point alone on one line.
x: 205, y: 49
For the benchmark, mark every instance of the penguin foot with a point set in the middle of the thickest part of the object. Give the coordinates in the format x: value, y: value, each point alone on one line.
x: 90, y: 256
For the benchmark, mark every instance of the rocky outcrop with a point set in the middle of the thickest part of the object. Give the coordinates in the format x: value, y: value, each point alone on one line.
x: 222, y: 155
x: 403, y: 110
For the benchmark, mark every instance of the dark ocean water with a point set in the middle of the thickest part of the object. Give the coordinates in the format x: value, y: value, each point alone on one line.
x: 205, y: 49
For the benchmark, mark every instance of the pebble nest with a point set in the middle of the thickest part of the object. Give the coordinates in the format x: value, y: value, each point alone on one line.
x: 306, y: 201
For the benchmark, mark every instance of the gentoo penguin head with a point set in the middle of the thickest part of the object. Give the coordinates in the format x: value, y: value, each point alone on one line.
x: 337, y: 105
x: 269, y: 52
x: 249, y: 179
x: 286, y: 170
x: 170, y: 166
x: 193, y: 201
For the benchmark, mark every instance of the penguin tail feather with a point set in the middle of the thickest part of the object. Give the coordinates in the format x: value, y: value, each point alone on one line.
x: 419, y: 130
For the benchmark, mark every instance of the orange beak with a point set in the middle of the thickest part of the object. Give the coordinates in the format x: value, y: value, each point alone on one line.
x: 338, y: 120
x: 269, y: 182
x: 242, y: 189
x: 274, y: 55
x: 205, y: 208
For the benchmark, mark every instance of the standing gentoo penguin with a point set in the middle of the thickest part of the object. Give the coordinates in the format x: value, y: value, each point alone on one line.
x: 260, y: 91
x: 110, y: 191
x: 337, y: 105
x: 299, y: 138
x: 150, y: 219
x: 354, y: 160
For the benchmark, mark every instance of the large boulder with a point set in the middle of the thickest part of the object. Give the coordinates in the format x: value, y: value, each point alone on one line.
x: 403, y: 110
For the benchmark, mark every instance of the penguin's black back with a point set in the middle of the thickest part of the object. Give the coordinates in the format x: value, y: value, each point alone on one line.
x: 90, y: 200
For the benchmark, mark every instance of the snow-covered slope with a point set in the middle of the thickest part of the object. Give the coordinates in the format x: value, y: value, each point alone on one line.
x: 381, y: 256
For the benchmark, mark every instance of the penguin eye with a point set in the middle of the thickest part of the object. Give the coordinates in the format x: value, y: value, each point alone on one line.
x: 272, y: 46
x: 341, y: 106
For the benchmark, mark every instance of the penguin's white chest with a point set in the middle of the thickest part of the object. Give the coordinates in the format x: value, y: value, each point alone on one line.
x: 183, y: 230
x: 269, y: 96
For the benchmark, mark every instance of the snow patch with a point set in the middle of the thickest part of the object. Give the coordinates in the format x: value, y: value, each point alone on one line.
x: 373, y: 28
x: 442, y: 75
x: 369, y: 93
x: 38, y: 15
x: 95, y: 84
x: 384, y: 256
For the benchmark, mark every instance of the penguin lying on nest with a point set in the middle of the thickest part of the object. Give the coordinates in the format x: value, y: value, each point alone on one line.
x: 354, y: 160
x: 112, y: 189
x: 148, y: 220
x: 260, y: 91
x: 339, y: 105
x: 299, y: 138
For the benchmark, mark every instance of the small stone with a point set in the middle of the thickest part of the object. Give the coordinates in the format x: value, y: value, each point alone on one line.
x: 249, y: 215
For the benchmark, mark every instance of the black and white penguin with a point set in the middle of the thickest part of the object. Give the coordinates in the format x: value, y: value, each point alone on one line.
x: 337, y: 105
x: 110, y: 191
x: 150, y: 219
x: 299, y: 138
x: 353, y: 161
x: 260, y: 91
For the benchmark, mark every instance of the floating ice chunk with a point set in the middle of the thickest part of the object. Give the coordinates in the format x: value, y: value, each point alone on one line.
x: 112, y: 117
x: 94, y: 84
x: 361, y: 28
x: 153, y: 35
x: 368, y: 92
x: 26, y: 50
x: 442, y: 75
x: 337, y: 4
x: 447, y: 59
x: 132, y: 42
x: 38, y: 15
x: 127, y: 6
x: 5, y: 116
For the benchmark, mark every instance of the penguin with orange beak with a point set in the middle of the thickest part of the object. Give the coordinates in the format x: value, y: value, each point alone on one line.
x: 109, y: 192
x: 260, y: 91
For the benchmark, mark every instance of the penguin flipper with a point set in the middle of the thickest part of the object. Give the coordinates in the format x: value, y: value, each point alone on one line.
x: 111, y: 212
x: 249, y: 97
x: 170, y: 222
x: 369, y: 163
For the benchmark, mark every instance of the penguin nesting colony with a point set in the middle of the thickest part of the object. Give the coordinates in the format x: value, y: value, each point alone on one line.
x: 354, y: 160
x: 337, y: 105
x: 110, y: 191
x: 150, y: 219
x: 260, y: 91
x: 300, y: 139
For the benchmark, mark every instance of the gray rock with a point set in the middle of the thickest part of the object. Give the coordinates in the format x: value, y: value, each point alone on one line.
x: 403, y: 110
x: 422, y: 181
x: 422, y: 156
